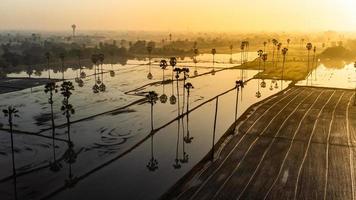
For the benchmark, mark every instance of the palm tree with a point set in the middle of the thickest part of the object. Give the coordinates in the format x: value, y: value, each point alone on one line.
x: 264, y: 46
x: 163, y: 64
x: 314, y: 62
x: 275, y: 43
x: 152, y: 98
x: 102, y: 86
x: 260, y: 54
x: 279, y: 46
x: 48, y: 56
x: 66, y: 90
x: 242, y: 48
x: 301, y: 42
x: 309, y: 47
x: 149, y: 50
x: 188, y: 86
x: 284, y: 53
x: 264, y: 58
x: 51, y: 88
x: 61, y: 57
x: 239, y: 84
x: 231, y: 47
x: 10, y: 113
x: 185, y: 71
x: 178, y: 71
x: 288, y: 41
x: 213, y: 52
x: 173, y: 63
x: 94, y: 59
x: 196, y: 53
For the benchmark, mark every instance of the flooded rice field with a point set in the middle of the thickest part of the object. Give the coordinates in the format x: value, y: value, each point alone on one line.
x: 117, y: 148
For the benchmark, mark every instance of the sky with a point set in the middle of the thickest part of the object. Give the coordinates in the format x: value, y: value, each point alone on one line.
x: 179, y: 15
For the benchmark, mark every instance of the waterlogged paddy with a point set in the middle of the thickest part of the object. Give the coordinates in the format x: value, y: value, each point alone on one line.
x: 114, y: 146
x: 333, y: 77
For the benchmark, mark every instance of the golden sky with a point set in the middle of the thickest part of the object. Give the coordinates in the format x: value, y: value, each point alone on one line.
x: 182, y: 15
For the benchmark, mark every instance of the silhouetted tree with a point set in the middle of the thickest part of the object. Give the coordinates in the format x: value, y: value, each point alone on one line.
x: 284, y: 53
x: 188, y: 86
x: 309, y: 47
x: 67, y: 108
x: 10, y: 113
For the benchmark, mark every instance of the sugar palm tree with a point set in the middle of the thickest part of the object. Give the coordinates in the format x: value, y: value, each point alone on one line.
x: 309, y: 48
x: 264, y: 58
x: 188, y: 86
x: 239, y: 85
x: 288, y: 42
x: 242, y: 48
x: 196, y: 53
x: 231, y: 48
x: 284, y: 53
x: 61, y: 57
x: 264, y: 46
x: 173, y: 63
x: 52, y: 88
x: 102, y: 86
x: 314, y: 63
x: 185, y: 71
x: 95, y: 59
x: 149, y: 50
x: 48, y: 56
x: 66, y: 90
x: 213, y: 52
x: 152, y: 98
x: 10, y: 113
x: 279, y: 46
x: 163, y: 64
x: 302, y: 42
x: 178, y: 71
x: 275, y: 43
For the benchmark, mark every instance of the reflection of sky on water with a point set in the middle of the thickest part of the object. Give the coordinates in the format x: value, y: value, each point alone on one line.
x: 332, y: 77
x: 105, y: 137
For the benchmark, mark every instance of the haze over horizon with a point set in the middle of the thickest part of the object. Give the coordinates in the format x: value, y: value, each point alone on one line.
x: 180, y: 15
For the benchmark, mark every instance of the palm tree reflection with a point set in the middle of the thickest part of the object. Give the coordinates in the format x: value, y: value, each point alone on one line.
x: 173, y: 63
x: 95, y: 59
x: 176, y: 164
x: 213, y: 52
x: 163, y: 98
x: 102, y: 86
x: 196, y: 53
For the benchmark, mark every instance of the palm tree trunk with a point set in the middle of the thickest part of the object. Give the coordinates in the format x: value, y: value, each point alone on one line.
x: 214, y: 130
x: 237, y: 101
x: 284, y: 60
x: 308, y: 68
x: 12, y: 147
x: 151, y: 116
x: 178, y: 97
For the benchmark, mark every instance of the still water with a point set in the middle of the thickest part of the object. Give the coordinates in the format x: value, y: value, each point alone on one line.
x: 116, y: 152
